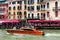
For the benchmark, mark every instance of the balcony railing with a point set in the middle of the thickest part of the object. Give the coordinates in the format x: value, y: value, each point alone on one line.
x: 43, y: 9
x: 56, y: 8
x: 32, y: 18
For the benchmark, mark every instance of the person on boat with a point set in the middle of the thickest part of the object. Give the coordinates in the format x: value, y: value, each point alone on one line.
x: 14, y: 27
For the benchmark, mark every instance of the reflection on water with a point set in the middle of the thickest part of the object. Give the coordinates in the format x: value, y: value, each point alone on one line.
x: 49, y: 35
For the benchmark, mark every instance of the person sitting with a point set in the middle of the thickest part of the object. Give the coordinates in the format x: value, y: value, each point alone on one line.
x: 14, y: 28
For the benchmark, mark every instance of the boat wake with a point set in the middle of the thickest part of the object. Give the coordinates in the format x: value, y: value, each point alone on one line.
x: 7, y: 33
x: 52, y: 34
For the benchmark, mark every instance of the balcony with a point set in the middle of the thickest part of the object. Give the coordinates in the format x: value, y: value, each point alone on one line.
x: 56, y: 8
x: 43, y: 9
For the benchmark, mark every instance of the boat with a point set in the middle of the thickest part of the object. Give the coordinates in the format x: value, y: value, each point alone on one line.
x: 25, y: 30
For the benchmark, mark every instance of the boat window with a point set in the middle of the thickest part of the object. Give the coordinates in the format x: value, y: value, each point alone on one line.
x: 27, y: 29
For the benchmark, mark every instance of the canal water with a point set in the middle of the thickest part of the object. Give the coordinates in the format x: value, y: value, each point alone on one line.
x: 49, y: 35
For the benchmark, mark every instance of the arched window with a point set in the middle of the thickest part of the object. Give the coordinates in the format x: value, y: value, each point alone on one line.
x: 38, y: 1
x: 25, y: 14
x: 43, y: 16
x: 19, y: 13
x: 19, y: 2
x: 14, y: 13
x: 56, y: 4
x: 9, y: 8
x: 25, y: 7
x: 32, y: 16
x: 38, y: 15
x: 48, y: 5
x: 56, y: 14
x: 28, y: 16
x: 25, y: 1
x: 14, y: 8
x: 48, y: 14
x: 38, y: 7
x: 9, y: 13
x: 19, y: 7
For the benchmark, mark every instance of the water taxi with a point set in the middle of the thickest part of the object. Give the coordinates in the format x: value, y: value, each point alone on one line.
x: 25, y: 31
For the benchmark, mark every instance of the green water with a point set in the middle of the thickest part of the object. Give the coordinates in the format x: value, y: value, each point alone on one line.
x: 49, y: 35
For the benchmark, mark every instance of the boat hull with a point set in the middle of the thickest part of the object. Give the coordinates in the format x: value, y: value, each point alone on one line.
x: 25, y: 32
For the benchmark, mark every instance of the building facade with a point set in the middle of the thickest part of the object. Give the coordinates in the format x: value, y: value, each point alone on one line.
x: 16, y: 9
x: 3, y: 11
x: 43, y: 9
x: 34, y: 9
x: 54, y: 9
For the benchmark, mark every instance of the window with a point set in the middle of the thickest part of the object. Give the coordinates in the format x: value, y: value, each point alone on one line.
x: 38, y: 7
x: 14, y: 13
x: 9, y: 8
x: 28, y: 15
x: 19, y: 7
x: 48, y: 14
x: 56, y: 4
x: 27, y: 29
x: 25, y: 7
x: 19, y: 17
x: 47, y: 5
x: 19, y: 2
x: 56, y: 14
x: 32, y: 16
x: 8, y: 17
x: 43, y: 16
x: 14, y: 8
x: 9, y: 2
x: 29, y: 8
x: 38, y: 1
x: 44, y: 6
x: 41, y: 6
x: 9, y: 13
x: 14, y: 2
x: 25, y: 1
x: 19, y: 13
x: 25, y: 14
x: 13, y: 17
x: 38, y: 15
x: 30, y: 1
x: 32, y: 7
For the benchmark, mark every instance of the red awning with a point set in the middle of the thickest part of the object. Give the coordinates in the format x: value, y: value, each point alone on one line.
x: 35, y: 20
x: 1, y: 21
x: 45, y: 21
